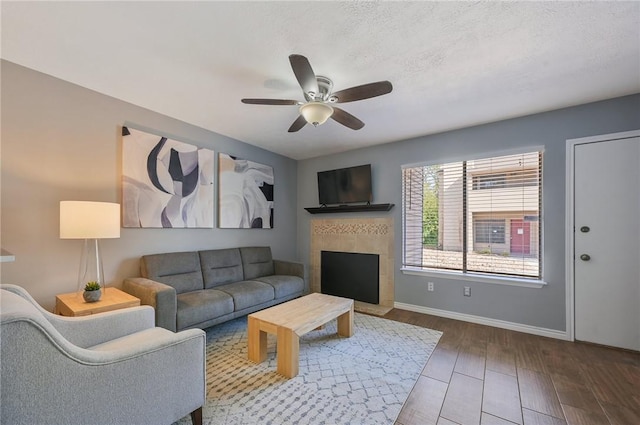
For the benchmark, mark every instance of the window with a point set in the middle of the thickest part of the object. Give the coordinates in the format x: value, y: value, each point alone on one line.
x: 474, y: 216
x: 488, y: 231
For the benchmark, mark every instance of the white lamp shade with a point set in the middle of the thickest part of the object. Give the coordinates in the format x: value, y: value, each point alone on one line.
x: 316, y: 113
x: 89, y: 220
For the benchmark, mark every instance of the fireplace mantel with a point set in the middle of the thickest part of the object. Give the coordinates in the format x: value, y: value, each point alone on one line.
x: 360, y: 235
x: 349, y: 208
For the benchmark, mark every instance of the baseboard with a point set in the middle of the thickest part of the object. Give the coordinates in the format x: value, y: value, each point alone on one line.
x: 518, y: 327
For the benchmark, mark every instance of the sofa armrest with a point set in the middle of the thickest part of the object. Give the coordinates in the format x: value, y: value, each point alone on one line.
x: 291, y: 268
x: 158, y: 295
x: 288, y: 268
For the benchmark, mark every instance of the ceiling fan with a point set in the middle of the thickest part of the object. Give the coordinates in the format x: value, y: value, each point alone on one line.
x: 319, y: 98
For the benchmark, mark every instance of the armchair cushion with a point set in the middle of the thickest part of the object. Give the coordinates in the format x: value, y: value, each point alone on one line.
x: 144, y: 341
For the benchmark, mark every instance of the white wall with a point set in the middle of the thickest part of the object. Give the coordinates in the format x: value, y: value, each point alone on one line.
x: 62, y: 142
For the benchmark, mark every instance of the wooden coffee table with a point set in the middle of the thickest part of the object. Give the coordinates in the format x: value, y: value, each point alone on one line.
x: 291, y: 320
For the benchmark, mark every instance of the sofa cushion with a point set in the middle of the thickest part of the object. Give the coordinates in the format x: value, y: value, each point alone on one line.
x: 284, y: 286
x: 248, y: 293
x: 178, y: 269
x: 199, y: 306
x: 221, y: 266
x: 256, y: 261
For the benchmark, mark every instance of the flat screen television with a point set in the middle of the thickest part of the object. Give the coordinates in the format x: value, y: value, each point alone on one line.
x: 345, y: 185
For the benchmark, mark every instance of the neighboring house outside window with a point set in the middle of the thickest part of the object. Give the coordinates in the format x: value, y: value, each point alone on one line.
x: 487, y: 231
x: 480, y: 215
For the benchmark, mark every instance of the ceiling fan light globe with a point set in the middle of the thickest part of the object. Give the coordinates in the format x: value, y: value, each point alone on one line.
x: 316, y: 113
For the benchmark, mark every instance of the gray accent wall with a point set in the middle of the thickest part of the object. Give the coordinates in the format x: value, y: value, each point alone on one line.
x: 544, y: 307
x: 62, y: 142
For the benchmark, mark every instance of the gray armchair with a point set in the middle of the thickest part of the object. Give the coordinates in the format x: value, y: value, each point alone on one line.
x: 109, y: 368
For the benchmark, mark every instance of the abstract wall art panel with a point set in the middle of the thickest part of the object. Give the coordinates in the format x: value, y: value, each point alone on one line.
x: 166, y: 184
x: 245, y: 193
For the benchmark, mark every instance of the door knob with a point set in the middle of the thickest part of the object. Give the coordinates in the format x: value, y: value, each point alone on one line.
x: 585, y: 257
x: 585, y: 229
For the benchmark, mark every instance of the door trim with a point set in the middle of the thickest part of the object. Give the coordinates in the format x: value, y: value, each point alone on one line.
x: 570, y: 222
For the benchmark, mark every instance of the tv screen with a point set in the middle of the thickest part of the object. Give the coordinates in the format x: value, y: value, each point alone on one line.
x: 345, y: 185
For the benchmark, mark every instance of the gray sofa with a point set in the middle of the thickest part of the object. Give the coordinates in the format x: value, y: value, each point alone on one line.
x: 198, y: 289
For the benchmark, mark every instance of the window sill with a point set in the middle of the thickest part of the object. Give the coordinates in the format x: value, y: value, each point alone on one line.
x: 475, y: 277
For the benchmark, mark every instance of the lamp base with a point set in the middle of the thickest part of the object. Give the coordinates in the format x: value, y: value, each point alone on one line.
x: 91, y: 269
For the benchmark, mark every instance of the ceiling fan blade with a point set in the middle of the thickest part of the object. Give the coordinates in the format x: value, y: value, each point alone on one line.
x: 297, y: 124
x: 346, y: 119
x: 364, y: 91
x: 304, y: 73
x: 271, y: 102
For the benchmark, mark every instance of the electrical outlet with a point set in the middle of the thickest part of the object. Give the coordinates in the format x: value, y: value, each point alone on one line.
x: 430, y: 286
x: 467, y: 291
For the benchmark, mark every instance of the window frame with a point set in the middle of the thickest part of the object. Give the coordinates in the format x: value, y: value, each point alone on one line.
x: 480, y: 277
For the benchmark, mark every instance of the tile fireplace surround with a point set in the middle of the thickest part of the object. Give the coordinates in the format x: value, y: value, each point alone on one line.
x: 361, y: 235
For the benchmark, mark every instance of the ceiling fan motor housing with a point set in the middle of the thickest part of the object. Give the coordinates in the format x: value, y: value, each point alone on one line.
x: 325, y: 86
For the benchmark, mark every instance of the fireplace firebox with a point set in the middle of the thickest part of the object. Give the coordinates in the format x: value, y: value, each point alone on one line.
x: 350, y: 275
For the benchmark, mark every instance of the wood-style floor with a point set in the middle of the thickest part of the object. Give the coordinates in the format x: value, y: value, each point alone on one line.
x: 489, y: 376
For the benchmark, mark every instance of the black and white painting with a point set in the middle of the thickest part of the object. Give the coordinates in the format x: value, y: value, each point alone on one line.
x: 166, y: 183
x: 245, y: 193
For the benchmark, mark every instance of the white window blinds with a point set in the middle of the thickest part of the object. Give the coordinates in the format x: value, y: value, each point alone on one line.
x: 480, y: 215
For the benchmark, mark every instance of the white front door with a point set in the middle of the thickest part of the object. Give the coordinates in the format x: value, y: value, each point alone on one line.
x: 607, y: 242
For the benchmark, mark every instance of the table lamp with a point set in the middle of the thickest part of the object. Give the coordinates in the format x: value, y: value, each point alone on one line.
x: 90, y: 221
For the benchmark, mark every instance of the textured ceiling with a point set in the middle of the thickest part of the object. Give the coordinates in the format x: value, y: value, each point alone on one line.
x: 452, y: 64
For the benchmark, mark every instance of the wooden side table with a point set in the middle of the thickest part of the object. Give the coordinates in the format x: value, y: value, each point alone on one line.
x: 72, y: 304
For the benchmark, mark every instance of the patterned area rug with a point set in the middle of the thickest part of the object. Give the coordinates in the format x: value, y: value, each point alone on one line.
x: 364, y: 379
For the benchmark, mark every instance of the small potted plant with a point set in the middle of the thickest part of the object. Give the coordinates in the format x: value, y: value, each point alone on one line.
x: 92, y: 292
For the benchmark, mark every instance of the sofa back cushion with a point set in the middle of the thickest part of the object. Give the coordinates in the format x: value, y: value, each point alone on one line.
x: 178, y: 269
x: 221, y: 266
x: 256, y: 261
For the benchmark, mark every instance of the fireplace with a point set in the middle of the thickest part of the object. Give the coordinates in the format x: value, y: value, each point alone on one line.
x: 363, y: 235
x: 350, y: 275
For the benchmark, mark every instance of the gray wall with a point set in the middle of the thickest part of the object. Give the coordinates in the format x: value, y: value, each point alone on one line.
x: 62, y: 142
x: 535, y: 307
